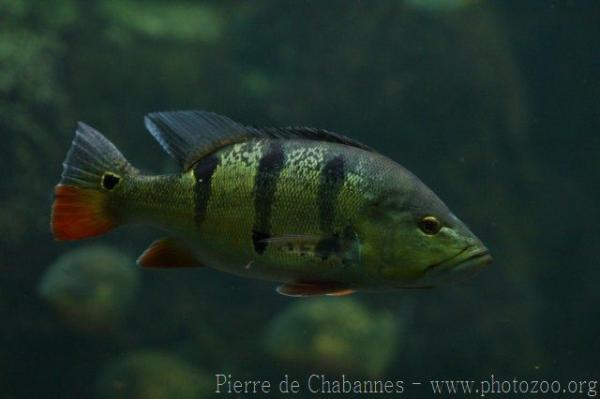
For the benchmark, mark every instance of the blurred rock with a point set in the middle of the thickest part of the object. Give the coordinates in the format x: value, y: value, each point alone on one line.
x: 91, y: 288
x: 336, y: 334
x: 33, y: 111
x: 153, y: 375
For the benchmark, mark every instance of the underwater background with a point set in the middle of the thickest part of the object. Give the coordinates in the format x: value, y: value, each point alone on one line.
x: 495, y: 105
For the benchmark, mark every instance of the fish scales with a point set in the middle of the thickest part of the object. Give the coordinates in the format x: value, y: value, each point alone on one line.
x: 203, y: 173
x: 332, y: 177
x: 315, y: 210
x: 250, y: 188
x: 254, y: 194
x: 168, y: 200
x: 267, y: 178
x: 297, y: 189
x: 230, y: 212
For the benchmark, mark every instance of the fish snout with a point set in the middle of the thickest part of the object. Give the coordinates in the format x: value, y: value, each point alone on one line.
x: 461, y: 267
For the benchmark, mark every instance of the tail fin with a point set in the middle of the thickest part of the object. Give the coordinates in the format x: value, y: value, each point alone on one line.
x: 92, y: 169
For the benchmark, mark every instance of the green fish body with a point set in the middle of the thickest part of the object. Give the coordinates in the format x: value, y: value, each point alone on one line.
x: 314, y: 210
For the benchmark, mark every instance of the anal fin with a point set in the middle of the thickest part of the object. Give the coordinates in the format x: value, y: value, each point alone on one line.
x: 168, y: 253
x: 314, y: 289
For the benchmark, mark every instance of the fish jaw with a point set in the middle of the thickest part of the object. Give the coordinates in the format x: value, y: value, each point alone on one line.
x: 458, y: 268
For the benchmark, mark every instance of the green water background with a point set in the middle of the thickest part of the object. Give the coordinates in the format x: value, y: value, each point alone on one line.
x: 494, y: 105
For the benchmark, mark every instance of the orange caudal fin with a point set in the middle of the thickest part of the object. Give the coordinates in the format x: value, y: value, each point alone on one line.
x: 79, y: 213
x: 93, y: 171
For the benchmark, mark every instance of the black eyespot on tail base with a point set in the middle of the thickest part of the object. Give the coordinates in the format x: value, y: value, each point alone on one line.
x: 110, y: 181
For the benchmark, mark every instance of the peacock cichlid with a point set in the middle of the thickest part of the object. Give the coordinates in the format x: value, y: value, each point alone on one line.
x: 314, y: 210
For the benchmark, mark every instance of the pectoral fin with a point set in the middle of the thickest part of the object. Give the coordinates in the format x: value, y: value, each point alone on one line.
x: 168, y: 253
x: 345, y: 245
x: 314, y: 289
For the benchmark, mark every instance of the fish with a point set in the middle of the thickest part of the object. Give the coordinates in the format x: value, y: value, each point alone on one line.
x: 315, y: 211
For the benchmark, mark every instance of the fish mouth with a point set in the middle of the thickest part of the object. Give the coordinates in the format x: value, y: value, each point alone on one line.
x: 463, y: 265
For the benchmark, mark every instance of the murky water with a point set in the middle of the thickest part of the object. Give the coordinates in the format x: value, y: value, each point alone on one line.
x: 493, y: 104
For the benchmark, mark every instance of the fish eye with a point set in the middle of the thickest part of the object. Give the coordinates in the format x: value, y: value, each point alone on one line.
x: 110, y: 181
x: 430, y: 225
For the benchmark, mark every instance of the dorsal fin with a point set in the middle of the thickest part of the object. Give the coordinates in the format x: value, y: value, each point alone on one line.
x: 312, y: 133
x: 190, y: 135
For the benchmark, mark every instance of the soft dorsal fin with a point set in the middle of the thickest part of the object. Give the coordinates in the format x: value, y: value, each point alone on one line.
x: 190, y: 135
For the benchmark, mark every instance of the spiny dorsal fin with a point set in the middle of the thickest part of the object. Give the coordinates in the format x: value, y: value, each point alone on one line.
x: 190, y: 135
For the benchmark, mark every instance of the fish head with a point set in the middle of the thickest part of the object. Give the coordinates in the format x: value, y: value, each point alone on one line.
x: 410, y: 239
